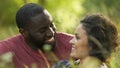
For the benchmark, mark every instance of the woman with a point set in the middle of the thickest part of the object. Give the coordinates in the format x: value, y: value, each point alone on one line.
x: 95, y: 39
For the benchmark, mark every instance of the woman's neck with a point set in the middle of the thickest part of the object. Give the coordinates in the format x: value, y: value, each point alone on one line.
x: 89, y: 60
x: 84, y: 60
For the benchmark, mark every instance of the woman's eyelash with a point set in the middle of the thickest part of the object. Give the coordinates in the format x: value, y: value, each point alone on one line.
x: 77, y: 37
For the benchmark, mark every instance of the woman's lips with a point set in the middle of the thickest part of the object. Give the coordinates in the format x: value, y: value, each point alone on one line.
x: 73, y: 48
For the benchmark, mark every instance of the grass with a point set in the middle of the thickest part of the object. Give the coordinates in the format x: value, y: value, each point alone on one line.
x: 7, y: 32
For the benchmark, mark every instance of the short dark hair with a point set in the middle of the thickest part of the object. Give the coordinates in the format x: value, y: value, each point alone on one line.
x: 101, y: 29
x: 25, y: 13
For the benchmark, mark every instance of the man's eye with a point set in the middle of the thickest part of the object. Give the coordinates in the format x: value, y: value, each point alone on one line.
x: 41, y: 31
x: 51, y: 25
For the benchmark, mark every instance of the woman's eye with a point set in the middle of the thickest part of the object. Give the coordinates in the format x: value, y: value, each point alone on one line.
x: 77, y: 37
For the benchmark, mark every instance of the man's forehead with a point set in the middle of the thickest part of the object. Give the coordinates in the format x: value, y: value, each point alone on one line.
x: 47, y: 14
x: 41, y: 20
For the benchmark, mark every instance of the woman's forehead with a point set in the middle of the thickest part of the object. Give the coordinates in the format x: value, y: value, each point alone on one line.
x: 80, y: 30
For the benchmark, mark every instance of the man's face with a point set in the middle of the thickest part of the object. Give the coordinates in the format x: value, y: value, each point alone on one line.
x: 40, y: 31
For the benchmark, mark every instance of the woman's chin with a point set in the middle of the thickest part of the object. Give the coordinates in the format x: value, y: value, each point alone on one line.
x: 73, y: 55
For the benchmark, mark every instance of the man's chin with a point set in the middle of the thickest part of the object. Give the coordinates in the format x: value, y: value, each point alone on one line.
x: 50, y: 43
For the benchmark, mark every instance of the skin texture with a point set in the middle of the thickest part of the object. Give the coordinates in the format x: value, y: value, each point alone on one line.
x: 40, y: 31
x: 79, y: 43
x: 80, y: 50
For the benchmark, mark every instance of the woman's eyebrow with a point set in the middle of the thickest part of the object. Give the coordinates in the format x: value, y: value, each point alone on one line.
x: 76, y: 34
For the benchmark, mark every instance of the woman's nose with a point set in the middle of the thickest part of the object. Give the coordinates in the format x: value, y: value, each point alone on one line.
x: 72, y: 41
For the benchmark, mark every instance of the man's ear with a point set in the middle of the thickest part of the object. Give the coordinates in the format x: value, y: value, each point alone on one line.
x: 23, y: 32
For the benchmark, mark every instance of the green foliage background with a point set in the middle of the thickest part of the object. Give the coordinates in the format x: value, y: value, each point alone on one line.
x: 66, y: 15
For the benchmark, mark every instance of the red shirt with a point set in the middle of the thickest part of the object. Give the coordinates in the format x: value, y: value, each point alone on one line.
x: 23, y: 55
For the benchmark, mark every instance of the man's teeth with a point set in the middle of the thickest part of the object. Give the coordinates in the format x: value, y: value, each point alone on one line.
x: 50, y: 39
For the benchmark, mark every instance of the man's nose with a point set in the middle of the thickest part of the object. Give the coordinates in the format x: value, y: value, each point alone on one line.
x: 50, y: 33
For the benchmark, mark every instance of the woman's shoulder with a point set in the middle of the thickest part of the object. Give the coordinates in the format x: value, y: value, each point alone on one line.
x: 94, y: 63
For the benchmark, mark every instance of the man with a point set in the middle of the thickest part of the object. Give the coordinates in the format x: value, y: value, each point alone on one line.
x: 38, y: 43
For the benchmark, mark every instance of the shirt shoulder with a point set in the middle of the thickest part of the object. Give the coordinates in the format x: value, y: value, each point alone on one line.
x: 63, y: 47
x: 64, y: 35
x: 8, y: 44
x: 63, y: 39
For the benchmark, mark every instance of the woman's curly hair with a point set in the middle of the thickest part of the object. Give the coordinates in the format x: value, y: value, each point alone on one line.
x: 102, y: 35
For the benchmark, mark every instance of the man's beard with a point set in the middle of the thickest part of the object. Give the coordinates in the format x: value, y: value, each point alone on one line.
x: 36, y: 44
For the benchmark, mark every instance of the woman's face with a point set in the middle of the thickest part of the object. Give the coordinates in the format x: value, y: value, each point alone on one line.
x: 79, y: 43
